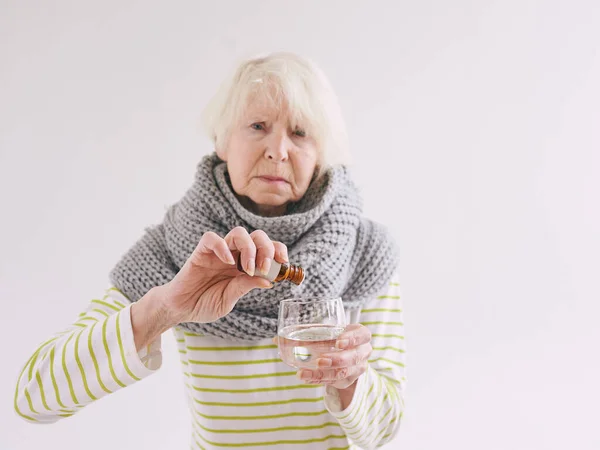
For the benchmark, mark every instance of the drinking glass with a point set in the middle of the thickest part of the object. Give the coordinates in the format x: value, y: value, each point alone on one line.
x: 308, y: 328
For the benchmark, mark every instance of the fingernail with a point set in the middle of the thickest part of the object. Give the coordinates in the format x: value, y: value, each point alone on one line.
x: 306, y: 374
x: 324, y: 362
x: 270, y: 286
x: 250, y: 270
x: 266, y: 265
x: 230, y: 259
x: 341, y: 344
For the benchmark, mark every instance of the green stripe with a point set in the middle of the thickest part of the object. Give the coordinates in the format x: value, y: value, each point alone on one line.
x: 387, y: 336
x: 385, y: 415
x: 216, y: 349
x: 368, y: 427
x: 122, y: 350
x: 366, y: 414
x: 394, y: 420
x: 67, y: 376
x: 269, y: 430
x: 272, y: 416
x: 385, y: 397
x: 16, y: 396
x: 399, y: 350
x: 273, y: 403
x: 244, y: 377
x: 95, y: 361
x: 356, y: 410
x: 183, y: 352
x: 391, y: 380
x: 39, y: 382
x: 107, y: 350
x: 198, y: 443
x: 187, y: 333
x: 345, y: 417
x: 104, y: 313
x: 386, y: 360
x: 391, y: 297
x: 34, y: 357
x: 93, y: 319
x: 83, y: 378
x: 118, y: 303
x: 391, y: 386
x: 80, y: 325
x: 235, y: 363
x: 108, y: 305
x: 268, y: 443
x: 250, y: 391
x: 372, y: 310
x: 394, y: 284
x: 180, y: 340
x: 383, y: 323
x: 29, y: 402
x: 378, y: 436
x: 116, y: 290
x: 32, y: 364
x: 54, y: 384
x: 16, y: 406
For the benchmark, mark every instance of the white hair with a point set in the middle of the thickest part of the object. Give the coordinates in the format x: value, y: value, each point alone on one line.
x: 283, y: 80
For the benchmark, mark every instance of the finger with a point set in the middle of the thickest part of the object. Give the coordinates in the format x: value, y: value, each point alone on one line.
x: 213, y: 243
x: 346, y: 358
x: 281, y: 252
x: 265, y: 251
x: 239, y: 239
x: 345, y: 383
x: 240, y: 286
x: 328, y: 376
x: 353, y: 336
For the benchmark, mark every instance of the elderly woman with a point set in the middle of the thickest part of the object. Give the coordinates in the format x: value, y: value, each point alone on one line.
x: 277, y: 189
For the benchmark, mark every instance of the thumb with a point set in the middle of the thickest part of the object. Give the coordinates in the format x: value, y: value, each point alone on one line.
x: 245, y: 283
x: 241, y: 285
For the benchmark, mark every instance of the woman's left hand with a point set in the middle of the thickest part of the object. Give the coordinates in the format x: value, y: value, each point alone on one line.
x: 341, y: 369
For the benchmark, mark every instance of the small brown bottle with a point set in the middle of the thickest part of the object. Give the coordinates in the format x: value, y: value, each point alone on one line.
x: 279, y: 272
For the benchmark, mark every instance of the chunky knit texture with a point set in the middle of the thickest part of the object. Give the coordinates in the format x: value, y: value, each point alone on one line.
x: 343, y: 253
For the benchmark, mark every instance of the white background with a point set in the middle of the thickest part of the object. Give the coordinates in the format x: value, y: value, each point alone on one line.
x: 475, y: 129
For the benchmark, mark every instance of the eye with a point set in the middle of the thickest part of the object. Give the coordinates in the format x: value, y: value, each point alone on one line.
x: 258, y: 126
x: 299, y: 132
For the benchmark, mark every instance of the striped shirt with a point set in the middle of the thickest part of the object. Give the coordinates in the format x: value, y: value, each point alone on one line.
x: 239, y: 395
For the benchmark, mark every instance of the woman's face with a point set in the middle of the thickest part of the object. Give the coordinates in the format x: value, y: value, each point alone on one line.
x: 270, y: 164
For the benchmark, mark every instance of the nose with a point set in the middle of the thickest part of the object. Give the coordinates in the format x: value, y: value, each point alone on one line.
x: 278, y: 146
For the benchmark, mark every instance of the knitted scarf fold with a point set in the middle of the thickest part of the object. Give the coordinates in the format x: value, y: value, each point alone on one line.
x: 343, y: 254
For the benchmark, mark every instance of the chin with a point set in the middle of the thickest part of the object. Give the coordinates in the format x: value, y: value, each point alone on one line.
x: 269, y: 200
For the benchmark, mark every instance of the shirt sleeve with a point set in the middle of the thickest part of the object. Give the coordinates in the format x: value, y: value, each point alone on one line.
x: 373, y: 417
x: 93, y: 357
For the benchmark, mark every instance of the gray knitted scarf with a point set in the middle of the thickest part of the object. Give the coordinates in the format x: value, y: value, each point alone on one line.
x: 343, y: 254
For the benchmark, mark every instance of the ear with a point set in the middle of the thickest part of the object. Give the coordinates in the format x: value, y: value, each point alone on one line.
x: 221, y: 153
x: 221, y: 147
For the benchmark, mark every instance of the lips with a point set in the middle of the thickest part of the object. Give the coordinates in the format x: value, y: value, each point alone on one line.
x: 273, y: 179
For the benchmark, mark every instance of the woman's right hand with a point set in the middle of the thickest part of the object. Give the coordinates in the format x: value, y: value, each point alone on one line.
x: 209, y: 284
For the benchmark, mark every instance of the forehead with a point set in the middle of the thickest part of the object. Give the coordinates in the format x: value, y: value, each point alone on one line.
x: 260, y: 104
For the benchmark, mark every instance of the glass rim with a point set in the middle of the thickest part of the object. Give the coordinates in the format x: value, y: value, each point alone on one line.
x: 316, y: 300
